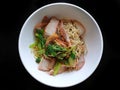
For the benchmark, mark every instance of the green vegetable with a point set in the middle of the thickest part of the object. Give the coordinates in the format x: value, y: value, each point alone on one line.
x: 38, y: 60
x: 40, y: 31
x: 50, y: 51
x: 53, y: 50
x: 61, y: 56
x: 41, y: 52
x: 56, y: 68
x: 72, y: 55
x: 66, y: 62
x: 32, y: 45
x: 71, y: 59
x: 39, y: 34
x: 58, y: 47
x: 39, y: 45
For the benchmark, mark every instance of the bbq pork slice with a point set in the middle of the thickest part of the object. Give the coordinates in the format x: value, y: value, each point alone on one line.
x: 52, y: 26
x: 46, y: 65
x: 62, y: 69
x: 64, y: 35
x: 80, y: 27
x: 42, y: 24
x: 80, y: 63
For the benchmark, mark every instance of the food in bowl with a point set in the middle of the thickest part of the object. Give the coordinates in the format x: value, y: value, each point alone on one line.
x: 59, y: 45
x: 92, y: 37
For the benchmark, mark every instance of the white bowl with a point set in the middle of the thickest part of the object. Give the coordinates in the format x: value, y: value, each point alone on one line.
x: 93, y: 39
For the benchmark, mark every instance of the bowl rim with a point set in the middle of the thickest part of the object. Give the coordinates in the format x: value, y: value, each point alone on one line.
x: 71, y: 5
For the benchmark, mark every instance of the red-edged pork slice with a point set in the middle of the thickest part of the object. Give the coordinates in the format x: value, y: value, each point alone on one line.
x: 80, y: 27
x: 62, y: 69
x: 63, y: 33
x: 52, y: 26
x: 51, y: 72
x: 45, y: 19
x: 80, y: 63
x: 43, y: 23
x: 46, y: 65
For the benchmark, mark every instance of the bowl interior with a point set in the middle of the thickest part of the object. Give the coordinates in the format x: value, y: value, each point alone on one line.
x: 93, y: 40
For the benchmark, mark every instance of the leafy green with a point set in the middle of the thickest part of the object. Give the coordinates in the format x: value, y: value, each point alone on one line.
x: 50, y: 51
x: 56, y: 68
x: 40, y: 31
x: 72, y: 55
x: 39, y: 44
x: 61, y: 56
x: 39, y: 34
x: 58, y: 47
x: 41, y: 52
x: 71, y: 59
x: 32, y: 45
x: 38, y: 60
x: 53, y: 50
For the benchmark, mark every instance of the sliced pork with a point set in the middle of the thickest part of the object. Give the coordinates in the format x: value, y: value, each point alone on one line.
x: 80, y: 63
x: 63, y: 33
x: 46, y: 65
x: 52, y: 26
x: 80, y: 27
x: 42, y: 24
x: 62, y: 69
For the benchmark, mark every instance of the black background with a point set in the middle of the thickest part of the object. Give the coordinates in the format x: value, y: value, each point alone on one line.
x: 14, y: 13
